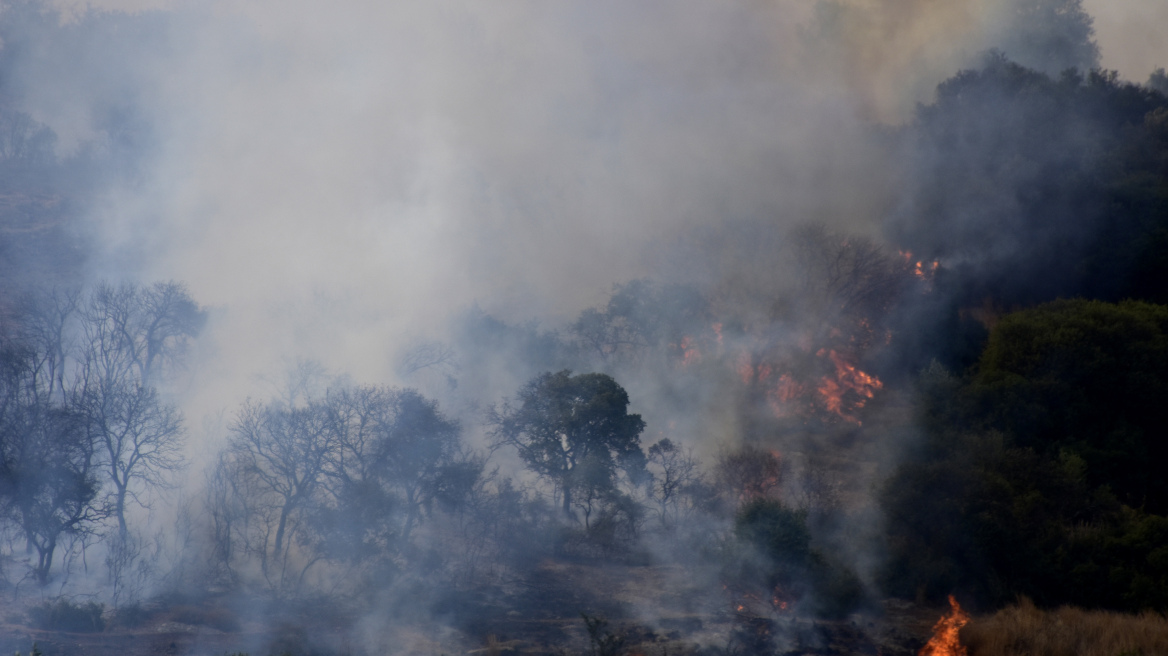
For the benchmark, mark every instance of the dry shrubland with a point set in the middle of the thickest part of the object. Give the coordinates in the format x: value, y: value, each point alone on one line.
x: 1024, y: 629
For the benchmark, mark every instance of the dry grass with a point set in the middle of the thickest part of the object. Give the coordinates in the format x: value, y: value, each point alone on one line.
x: 1025, y: 630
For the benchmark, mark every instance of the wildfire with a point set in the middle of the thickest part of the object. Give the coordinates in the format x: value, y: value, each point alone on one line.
x: 920, y: 269
x: 847, y: 379
x: 746, y: 370
x: 786, y: 390
x: 779, y: 600
x: 753, y: 604
x: 925, y: 271
x: 841, y: 393
x: 689, y: 351
x: 945, y: 641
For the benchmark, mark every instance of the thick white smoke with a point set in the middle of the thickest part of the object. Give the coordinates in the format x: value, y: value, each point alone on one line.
x: 337, y: 179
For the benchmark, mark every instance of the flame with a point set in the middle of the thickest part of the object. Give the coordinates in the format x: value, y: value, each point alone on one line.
x: 847, y: 379
x: 745, y: 369
x: 778, y: 601
x: 751, y: 374
x: 919, y: 269
x: 786, y: 391
x: 945, y: 641
x: 841, y: 393
x: 762, y: 483
x: 689, y: 351
x: 926, y: 271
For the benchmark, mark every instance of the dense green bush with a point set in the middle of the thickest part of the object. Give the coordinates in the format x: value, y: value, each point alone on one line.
x: 1084, y: 376
x: 1041, y: 471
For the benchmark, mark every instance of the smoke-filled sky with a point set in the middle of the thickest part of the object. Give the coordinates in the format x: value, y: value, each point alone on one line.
x: 337, y: 179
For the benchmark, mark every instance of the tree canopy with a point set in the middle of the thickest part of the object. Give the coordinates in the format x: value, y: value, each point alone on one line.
x: 563, y: 422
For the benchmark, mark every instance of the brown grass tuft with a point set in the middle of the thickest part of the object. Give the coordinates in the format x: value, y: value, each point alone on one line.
x: 1025, y: 630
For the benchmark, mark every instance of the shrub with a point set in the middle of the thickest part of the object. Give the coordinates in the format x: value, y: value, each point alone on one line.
x: 1025, y: 629
x: 222, y: 619
x: 774, y: 559
x: 64, y: 615
x: 130, y: 616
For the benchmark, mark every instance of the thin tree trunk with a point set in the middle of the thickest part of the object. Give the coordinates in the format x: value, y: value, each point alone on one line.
x: 45, y: 561
x: 280, y: 528
x: 120, y: 510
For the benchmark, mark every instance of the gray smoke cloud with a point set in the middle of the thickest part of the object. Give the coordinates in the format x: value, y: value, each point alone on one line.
x: 337, y: 181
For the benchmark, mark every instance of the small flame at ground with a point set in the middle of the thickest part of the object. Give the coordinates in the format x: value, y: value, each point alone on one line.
x: 945, y: 641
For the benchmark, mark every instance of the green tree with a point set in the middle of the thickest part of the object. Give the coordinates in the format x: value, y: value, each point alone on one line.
x: 563, y: 421
x: 1086, y: 377
x: 1039, y: 473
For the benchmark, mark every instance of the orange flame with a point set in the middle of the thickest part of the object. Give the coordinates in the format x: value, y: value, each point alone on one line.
x: 945, y: 641
x: 689, y: 351
x: 778, y: 600
x: 847, y: 379
x: 786, y: 391
x: 926, y: 271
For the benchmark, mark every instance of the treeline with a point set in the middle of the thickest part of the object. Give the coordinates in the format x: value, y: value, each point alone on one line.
x: 1040, y: 471
x: 362, y: 489
x: 368, y: 488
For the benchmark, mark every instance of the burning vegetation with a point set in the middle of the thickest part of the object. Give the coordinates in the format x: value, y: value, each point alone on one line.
x: 946, y: 640
x: 770, y: 444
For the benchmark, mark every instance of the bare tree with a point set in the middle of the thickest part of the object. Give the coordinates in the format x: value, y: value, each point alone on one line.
x: 140, y: 332
x: 674, y: 471
x: 280, y: 456
x: 47, y: 481
x: 130, y: 335
x: 226, y: 507
x: 343, y: 479
x: 400, y: 442
x: 431, y: 359
x: 847, y: 283
x: 47, y: 320
x: 140, y: 439
x: 749, y: 473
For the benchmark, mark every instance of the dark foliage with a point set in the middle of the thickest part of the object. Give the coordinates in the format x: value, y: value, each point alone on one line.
x: 1086, y: 378
x: 574, y: 430
x: 1028, y: 188
x: 65, y: 615
x: 1040, y: 474
x: 777, y: 564
x: 640, y: 316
